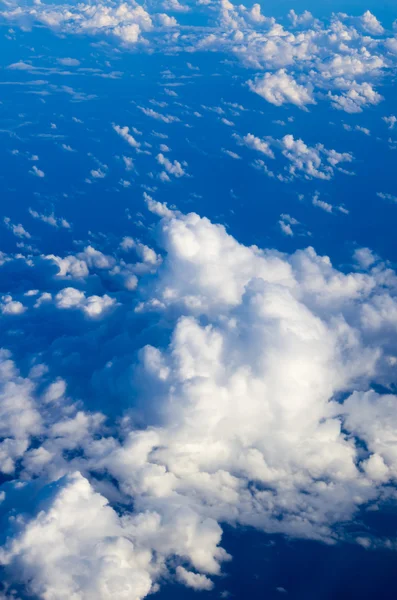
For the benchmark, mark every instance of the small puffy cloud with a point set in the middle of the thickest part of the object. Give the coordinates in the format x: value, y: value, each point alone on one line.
x: 286, y: 223
x: 18, y: 230
x: 231, y: 154
x: 97, y: 173
x: 255, y: 143
x: 354, y: 97
x: 390, y: 121
x: 70, y: 266
x: 171, y: 93
x: 149, y: 112
x: 300, y: 19
x: 166, y: 21
x: 364, y: 257
x: 55, y: 391
x: 8, y: 306
x: 50, y: 219
x: 92, y: 306
x: 197, y: 581
x: 36, y: 171
x: 308, y: 161
x: 173, y: 168
x: 68, y: 62
x: 280, y: 88
x: 322, y: 204
x: 175, y: 6
x: 124, y: 132
x: 387, y: 196
x: 128, y: 163
x: 315, y: 161
x: 371, y: 24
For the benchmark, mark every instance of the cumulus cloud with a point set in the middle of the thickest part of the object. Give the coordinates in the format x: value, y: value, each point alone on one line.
x: 255, y: 143
x: 95, y: 556
x: 126, y: 22
x: 241, y: 384
x: 317, y: 52
x: 307, y: 161
x: 280, y: 88
x: 17, y: 229
x: 371, y: 24
x: 173, y: 168
x: 149, y: 112
x: 50, y: 219
x: 387, y: 196
x: 124, y: 132
x: 390, y: 121
x: 356, y: 96
x: 275, y: 339
x: 8, y: 306
x: 93, y: 306
x: 37, y: 172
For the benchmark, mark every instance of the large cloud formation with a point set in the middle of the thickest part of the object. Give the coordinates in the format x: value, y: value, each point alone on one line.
x: 297, y: 62
x: 256, y: 407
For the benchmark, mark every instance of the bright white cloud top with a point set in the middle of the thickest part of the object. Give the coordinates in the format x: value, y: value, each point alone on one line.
x: 245, y: 419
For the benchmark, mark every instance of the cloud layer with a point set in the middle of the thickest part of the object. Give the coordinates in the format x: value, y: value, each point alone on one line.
x: 256, y: 412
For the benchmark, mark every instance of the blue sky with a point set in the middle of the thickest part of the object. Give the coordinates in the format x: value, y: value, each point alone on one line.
x: 198, y: 300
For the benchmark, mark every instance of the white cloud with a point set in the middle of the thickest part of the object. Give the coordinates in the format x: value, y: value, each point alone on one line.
x: 17, y: 230
x: 50, y: 219
x: 356, y: 97
x: 280, y: 88
x: 149, y: 112
x: 128, y: 163
x: 364, y: 257
x: 286, y: 223
x: 274, y: 339
x: 68, y: 62
x: 310, y: 161
x: 70, y: 266
x: 323, y: 51
x: 124, y: 132
x: 321, y: 204
x: 38, y: 172
x: 67, y: 148
x: 390, y: 121
x: 8, y: 306
x: 97, y: 173
x: 387, y: 196
x: 95, y: 557
x: 193, y: 580
x: 371, y: 24
x: 171, y: 167
x: 126, y: 22
x: 175, y: 6
x: 255, y: 143
x: 92, y: 306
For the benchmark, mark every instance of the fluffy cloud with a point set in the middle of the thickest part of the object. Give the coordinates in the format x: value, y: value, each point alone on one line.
x: 93, y: 306
x: 280, y: 88
x: 50, y: 219
x: 126, y: 22
x: 262, y: 346
x: 303, y: 160
x: 94, y: 557
x: 371, y: 24
x: 318, y: 53
x: 356, y: 97
x: 124, y: 132
x: 173, y: 168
